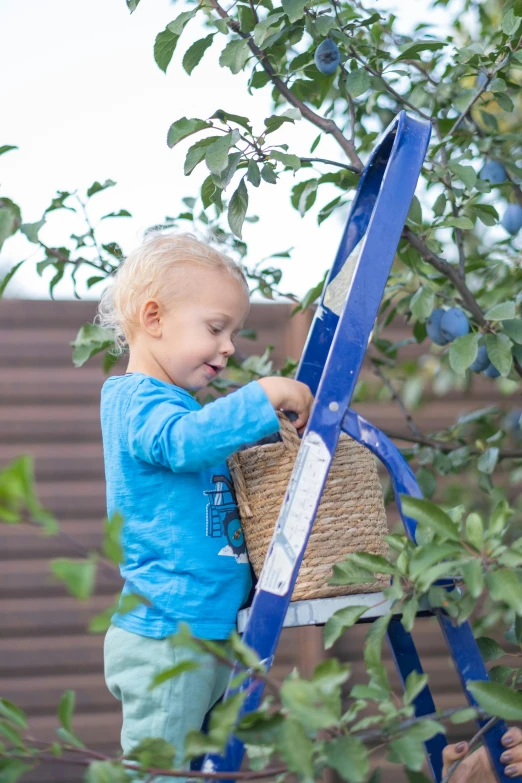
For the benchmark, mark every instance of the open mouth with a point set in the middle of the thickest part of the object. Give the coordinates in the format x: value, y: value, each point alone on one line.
x: 215, y: 368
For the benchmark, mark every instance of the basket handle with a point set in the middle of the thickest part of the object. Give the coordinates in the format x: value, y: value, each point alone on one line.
x: 288, y: 433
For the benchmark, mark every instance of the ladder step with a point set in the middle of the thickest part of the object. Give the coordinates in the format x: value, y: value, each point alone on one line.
x: 318, y: 610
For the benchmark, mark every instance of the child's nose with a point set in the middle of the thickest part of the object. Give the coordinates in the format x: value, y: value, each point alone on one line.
x: 228, y: 348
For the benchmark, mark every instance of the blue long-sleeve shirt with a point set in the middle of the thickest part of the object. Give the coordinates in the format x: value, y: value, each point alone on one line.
x: 166, y: 475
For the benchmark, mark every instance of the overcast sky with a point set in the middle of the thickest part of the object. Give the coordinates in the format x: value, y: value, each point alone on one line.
x: 83, y: 100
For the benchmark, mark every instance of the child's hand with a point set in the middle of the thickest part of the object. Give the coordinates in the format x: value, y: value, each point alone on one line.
x: 287, y: 394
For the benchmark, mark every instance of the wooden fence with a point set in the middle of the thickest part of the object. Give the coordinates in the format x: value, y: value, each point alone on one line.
x: 50, y: 410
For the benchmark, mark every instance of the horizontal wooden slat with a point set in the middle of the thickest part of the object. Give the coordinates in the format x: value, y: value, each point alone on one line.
x: 59, y: 460
x: 22, y: 425
x: 22, y: 541
x: 19, y: 578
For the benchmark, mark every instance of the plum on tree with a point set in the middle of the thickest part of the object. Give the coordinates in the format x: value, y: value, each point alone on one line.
x: 327, y: 57
x: 512, y: 218
x: 433, y: 327
x: 494, y: 172
x: 491, y: 371
x: 482, y: 360
x: 453, y: 324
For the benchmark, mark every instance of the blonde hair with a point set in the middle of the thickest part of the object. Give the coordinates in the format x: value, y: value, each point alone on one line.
x: 143, y: 275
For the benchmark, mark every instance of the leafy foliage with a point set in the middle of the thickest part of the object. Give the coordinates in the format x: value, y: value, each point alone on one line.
x: 458, y: 252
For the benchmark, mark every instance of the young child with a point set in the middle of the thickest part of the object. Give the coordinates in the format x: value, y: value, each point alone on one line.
x: 178, y: 305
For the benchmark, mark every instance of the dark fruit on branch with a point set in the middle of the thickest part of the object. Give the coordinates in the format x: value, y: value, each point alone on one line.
x: 327, y: 57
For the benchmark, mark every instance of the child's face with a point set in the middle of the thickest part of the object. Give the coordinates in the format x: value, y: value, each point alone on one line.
x: 197, y: 331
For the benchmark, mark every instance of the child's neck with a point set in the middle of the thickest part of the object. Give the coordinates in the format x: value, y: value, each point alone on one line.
x: 148, y: 366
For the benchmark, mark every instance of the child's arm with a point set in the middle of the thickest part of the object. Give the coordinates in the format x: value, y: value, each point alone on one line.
x: 162, y: 431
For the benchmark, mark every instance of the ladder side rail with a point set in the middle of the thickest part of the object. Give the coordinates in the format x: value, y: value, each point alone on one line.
x: 325, y: 320
x: 406, y: 659
x: 294, y: 525
x: 460, y: 640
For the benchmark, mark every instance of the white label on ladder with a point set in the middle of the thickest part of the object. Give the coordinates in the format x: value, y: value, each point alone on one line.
x: 337, y: 291
x: 308, y: 476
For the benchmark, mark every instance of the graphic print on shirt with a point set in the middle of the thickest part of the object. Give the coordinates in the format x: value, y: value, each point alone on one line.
x: 223, y: 519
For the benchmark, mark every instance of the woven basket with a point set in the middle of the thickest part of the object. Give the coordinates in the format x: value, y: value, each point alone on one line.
x: 350, y: 517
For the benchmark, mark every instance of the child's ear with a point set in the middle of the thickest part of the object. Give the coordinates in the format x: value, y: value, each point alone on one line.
x: 150, y: 317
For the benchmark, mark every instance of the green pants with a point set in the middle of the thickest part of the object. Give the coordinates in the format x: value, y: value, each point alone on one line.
x: 169, y: 710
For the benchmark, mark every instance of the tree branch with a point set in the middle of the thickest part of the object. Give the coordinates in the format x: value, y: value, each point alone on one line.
x: 473, y: 741
x: 327, y: 126
x: 448, y: 446
x: 353, y: 169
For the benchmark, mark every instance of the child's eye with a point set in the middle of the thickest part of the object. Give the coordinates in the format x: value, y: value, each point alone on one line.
x: 215, y: 329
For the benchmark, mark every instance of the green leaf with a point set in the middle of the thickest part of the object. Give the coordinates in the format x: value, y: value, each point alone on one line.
x: 475, y: 530
x: 197, y: 153
x: 357, y: 82
x: 463, y: 352
x: 12, y: 734
x: 264, y: 28
x: 425, y: 556
x: 97, y: 187
x: 234, y: 55
x: 253, y: 175
x: 463, y: 716
x: 465, y: 173
x: 409, y: 613
x: 497, y: 699
x: 415, y: 683
x: 31, y: 230
x: 275, y: 121
x: 422, y: 303
x: 473, y: 578
x: 7, y: 148
x: 294, y: 9
x: 337, y: 624
x: 153, y: 752
x: 347, y: 573
x: 500, y: 311
x: 499, y: 352
x: 415, y: 211
x: 69, y: 737
x: 10, y: 219
x: 296, y: 749
x: 184, y: 127
x: 173, y: 671
x: 289, y: 160
x: 510, y: 23
x: 178, y: 24
x: 13, y: 713
x: 105, y: 772
x: 66, y: 709
x: 412, y: 52
x: 164, y: 47
x: 486, y: 463
x: 91, y: 339
x: 440, y: 205
x: 11, y: 770
x: 111, y: 547
x: 513, y: 328
x: 504, y: 586
x: 373, y: 642
x: 489, y: 648
x: 216, y: 156
x: 428, y: 514
x: 195, y: 52
x: 78, y: 575
x: 121, y: 213
x: 9, y: 276
x: 237, y: 209
x: 349, y: 757
x: 132, y: 5
x: 457, y: 222
x: 226, y: 117
x: 224, y: 717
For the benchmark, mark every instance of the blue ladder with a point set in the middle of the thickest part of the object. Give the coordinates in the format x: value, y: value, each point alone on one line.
x: 330, y: 365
